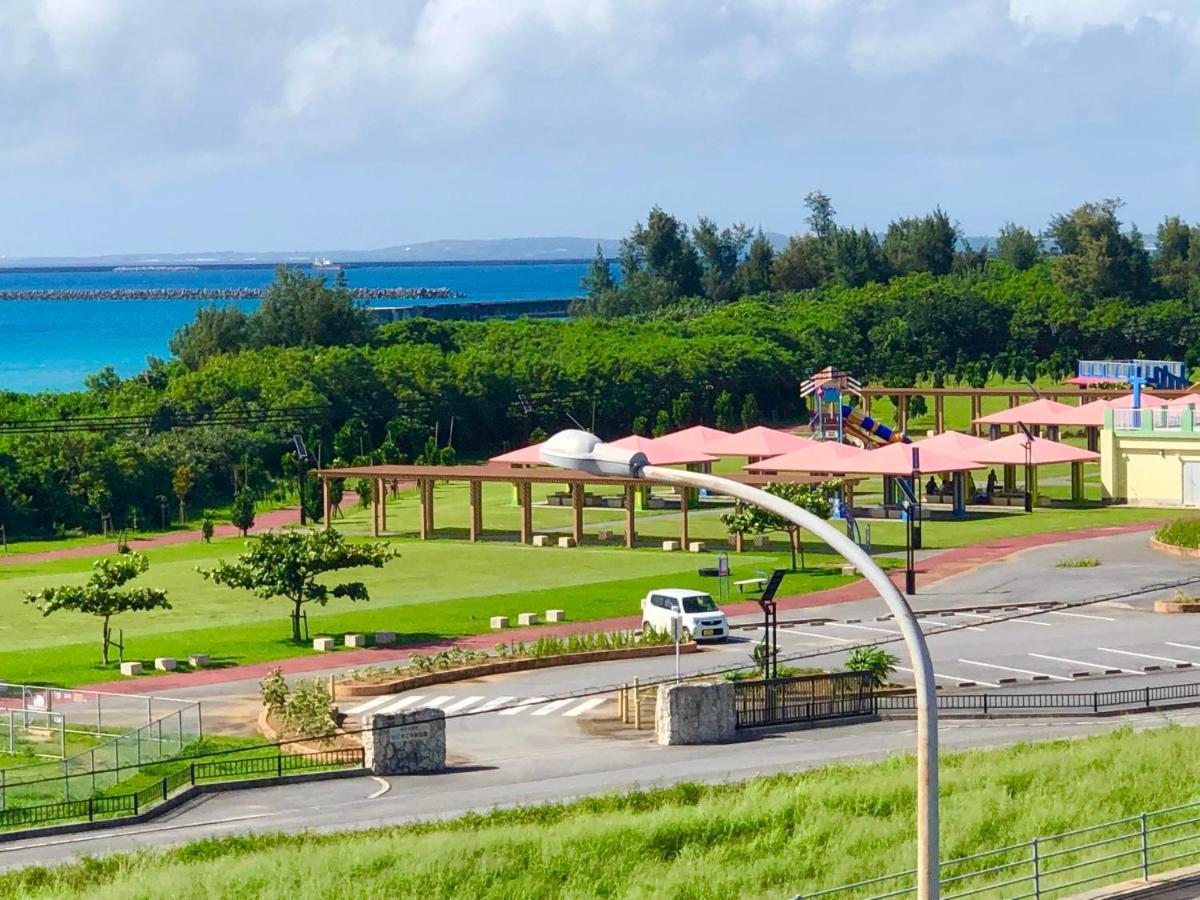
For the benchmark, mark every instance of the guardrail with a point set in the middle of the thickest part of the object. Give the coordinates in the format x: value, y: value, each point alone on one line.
x: 804, y: 698
x: 131, y: 804
x: 1156, y: 418
x: 1135, y: 846
x: 1130, y: 699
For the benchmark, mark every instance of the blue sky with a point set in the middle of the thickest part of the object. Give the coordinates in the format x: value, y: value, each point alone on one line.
x: 136, y: 126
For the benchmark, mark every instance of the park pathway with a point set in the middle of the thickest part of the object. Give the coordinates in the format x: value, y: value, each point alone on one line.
x: 934, y: 567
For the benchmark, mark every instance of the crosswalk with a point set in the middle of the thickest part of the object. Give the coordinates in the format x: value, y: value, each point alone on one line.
x: 571, y: 707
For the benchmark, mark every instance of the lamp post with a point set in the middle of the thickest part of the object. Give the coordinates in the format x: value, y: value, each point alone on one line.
x: 583, y: 451
x: 1028, y: 467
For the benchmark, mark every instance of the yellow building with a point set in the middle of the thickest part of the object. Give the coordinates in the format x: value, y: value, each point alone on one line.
x: 1151, y: 456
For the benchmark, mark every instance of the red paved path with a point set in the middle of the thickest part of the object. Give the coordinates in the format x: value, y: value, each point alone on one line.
x: 933, y: 568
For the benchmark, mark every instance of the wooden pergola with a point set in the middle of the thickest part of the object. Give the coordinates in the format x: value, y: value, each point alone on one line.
x: 523, y: 480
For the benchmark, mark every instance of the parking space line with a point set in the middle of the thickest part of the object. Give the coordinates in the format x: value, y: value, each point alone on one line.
x: 401, y: 704
x: 825, y: 637
x: 523, y: 705
x: 551, y: 707
x: 862, y: 627
x: 972, y: 662
x: 1146, y: 655
x: 954, y: 678
x: 1056, y: 612
x: 1181, y: 646
x: 492, y: 704
x: 1000, y: 620
x: 585, y: 706
x: 1084, y: 662
x: 462, y: 704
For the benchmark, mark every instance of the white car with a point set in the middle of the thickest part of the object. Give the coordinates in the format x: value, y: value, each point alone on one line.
x: 701, y: 618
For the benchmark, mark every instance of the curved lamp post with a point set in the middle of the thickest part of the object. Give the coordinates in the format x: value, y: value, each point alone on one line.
x: 583, y: 451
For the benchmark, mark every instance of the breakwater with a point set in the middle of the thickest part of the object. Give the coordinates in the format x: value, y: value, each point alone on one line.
x: 553, y: 308
x: 234, y: 293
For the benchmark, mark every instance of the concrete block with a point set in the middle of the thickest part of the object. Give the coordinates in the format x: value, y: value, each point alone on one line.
x: 406, y: 742
x: 1006, y: 680
x: 164, y: 663
x: 131, y: 668
x: 384, y: 638
x: 1081, y: 674
x: 695, y: 713
x: 696, y: 547
x: 1151, y: 668
x: 1112, y: 671
x: 1041, y: 677
x: 556, y: 615
x: 566, y: 541
x: 322, y: 645
x: 541, y: 540
x: 849, y: 569
x: 852, y: 621
x: 1183, y: 665
x: 966, y: 684
x: 198, y: 660
x: 356, y: 640
x: 670, y: 546
x: 498, y: 622
x: 527, y: 618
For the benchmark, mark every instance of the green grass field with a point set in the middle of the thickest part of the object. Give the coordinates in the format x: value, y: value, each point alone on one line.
x: 768, y: 837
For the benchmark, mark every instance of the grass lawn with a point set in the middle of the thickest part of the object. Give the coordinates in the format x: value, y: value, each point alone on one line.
x: 768, y: 837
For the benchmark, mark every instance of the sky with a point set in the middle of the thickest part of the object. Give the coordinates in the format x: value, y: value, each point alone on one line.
x: 144, y: 126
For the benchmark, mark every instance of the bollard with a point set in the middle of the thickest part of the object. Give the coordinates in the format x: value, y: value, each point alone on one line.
x: 637, y: 705
x: 332, y: 688
x: 621, y: 703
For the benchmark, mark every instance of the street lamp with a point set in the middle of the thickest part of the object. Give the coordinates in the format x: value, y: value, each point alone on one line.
x: 587, y: 453
x: 1028, y: 467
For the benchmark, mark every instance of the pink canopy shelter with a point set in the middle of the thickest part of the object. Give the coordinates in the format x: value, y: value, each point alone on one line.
x: 954, y: 443
x: 760, y: 442
x: 820, y: 456
x: 1036, y: 412
x: 1011, y: 451
x: 662, y: 454
x: 698, y: 438
x: 1185, y: 400
x: 523, y: 456
x: 897, y: 460
x: 1091, y: 415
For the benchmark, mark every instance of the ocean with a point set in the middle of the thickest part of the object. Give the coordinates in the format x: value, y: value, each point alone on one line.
x: 52, y: 345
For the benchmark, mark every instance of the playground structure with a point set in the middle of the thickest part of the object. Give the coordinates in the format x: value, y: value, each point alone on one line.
x: 1162, y: 374
x: 835, y: 419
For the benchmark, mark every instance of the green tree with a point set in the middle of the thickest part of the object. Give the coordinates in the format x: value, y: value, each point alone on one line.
x: 598, y: 279
x: 720, y: 252
x: 856, y: 257
x: 921, y: 244
x: 182, y: 482
x: 751, y: 415
x: 1018, y: 245
x: 876, y: 660
x: 821, y: 214
x: 214, y: 330
x: 662, y: 424
x: 683, y: 410
x: 751, y: 519
x: 299, y: 310
x: 1096, y: 259
x: 241, y: 513
x: 289, y: 564
x: 753, y: 275
x: 208, y: 527
x: 804, y: 263
x: 104, y: 594
x: 726, y: 417
x: 1176, y: 256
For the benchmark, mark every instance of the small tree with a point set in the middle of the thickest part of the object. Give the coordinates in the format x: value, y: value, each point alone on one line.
x: 288, y: 564
x: 756, y: 520
x: 723, y: 410
x: 241, y: 514
x: 104, y: 594
x: 182, y: 481
x: 875, y: 660
x: 750, y: 412
x: 208, y: 528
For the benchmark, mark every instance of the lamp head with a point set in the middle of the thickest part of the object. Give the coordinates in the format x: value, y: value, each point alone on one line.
x: 577, y: 449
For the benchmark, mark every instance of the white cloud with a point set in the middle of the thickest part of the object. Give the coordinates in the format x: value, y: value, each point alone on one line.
x: 1071, y: 18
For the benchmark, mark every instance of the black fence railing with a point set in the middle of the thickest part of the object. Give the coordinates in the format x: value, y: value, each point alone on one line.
x: 1091, y: 701
x: 805, y: 698
x: 130, y: 804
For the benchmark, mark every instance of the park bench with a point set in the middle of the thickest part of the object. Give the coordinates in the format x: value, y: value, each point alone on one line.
x: 753, y: 584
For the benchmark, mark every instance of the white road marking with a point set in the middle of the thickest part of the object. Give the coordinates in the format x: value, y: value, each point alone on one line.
x: 1056, y: 612
x: 492, y: 704
x: 971, y: 662
x: 1084, y: 662
x: 585, y: 706
x: 106, y: 834
x: 824, y: 637
x: 1000, y: 620
x: 1144, y: 655
x: 384, y: 787
x: 401, y: 704
x: 436, y: 702
x: 1181, y: 646
x: 462, y: 704
x: 369, y: 705
x: 954, y: 678
x: 551, y: 707
x: 863, y: 627
x: 523, y: 705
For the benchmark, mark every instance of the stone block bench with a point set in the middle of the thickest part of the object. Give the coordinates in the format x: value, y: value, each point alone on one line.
x: 384, y: 638
x: 131, y: 669
x: 198, y: 660
x: 323, y: 645
x: 527, y: 618
x: 356, y: 640
x: 164, y: 663
x: 556, y: 615
x: 498, y: 622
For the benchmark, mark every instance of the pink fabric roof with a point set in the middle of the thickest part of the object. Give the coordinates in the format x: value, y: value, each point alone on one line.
x: 1036, y: 412
x: 524, y: 456
x: 1185, y: 400
x: 662, y: 454
x: 1010, y: 451
x: 955, y: 443
x: 821, y: 456
x: 759, y: 441
x: 1126, y: 401
x: 1092, y: 414
x: 697, y: 438
x: 897, y: 459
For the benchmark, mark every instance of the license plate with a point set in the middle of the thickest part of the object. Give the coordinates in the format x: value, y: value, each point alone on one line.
x: 707, y: 632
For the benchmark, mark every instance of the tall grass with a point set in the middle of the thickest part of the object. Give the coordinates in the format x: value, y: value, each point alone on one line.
x: 770, y: 836
x: 1180, y: 532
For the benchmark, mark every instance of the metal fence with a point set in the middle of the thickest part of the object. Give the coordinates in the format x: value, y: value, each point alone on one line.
x: 102, y: 739
x: 805, y: 698
x: 1133, y: 847
x: 1128, y: 700
x: 280, y: 764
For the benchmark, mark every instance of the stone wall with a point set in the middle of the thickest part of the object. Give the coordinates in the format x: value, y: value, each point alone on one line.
x: 406, y: 742
x: 695, y: 713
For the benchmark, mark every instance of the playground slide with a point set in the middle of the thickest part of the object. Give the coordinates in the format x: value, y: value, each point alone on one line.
x: 876, y: 431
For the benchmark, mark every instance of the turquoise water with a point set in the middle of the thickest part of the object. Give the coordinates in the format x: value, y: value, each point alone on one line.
x: 52, y: 345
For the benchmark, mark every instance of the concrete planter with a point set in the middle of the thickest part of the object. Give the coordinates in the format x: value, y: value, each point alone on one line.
x: 1174, y: 549
x: 1175, y: 606
x: 501, y: 666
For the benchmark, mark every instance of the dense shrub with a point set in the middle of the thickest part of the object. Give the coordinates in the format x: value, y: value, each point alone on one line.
x: 1181, y: 533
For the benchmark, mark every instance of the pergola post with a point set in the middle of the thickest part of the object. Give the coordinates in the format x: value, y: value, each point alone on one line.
x: 326, y: 506
x: 1076, y: 482
x: 902, y: 414
x: 525, y: 500
x: 376, y: 491
x: 425, y: 493
x: 960, y: 493
x: 1031, y: 483
x: 683, y: 517
x: 739, y: 541
x: 383, y: 506
x: 475, y: 492
x: 1093, y: 438
x: 1010, y: 479
x: 577, y: 495
x: 630, y: 516
x: 939, y: 413
x: 976, y: 413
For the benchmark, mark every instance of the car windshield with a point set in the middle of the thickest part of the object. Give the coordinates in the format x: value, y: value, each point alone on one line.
x: 700, y: 603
